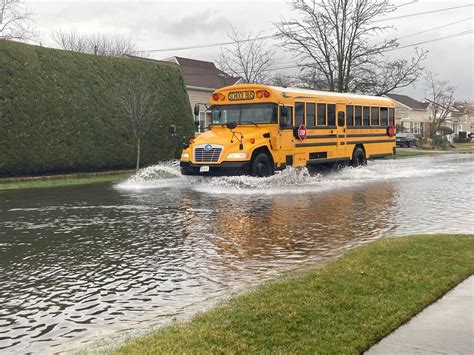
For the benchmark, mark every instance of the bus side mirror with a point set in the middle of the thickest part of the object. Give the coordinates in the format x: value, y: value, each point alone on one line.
x: 231, y: 125
x: 172, y: 129
x: 196, y: 110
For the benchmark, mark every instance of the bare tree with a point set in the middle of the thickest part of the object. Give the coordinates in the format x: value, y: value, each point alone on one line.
x: 96, y: 43
x: 248, y: 58
x: 16, y: 21
x: 140, y: 104
x: 441, y: 98
x: 386, y: 76
x: 282, y: 80
x: 72, y: 41
x: 335, y: 41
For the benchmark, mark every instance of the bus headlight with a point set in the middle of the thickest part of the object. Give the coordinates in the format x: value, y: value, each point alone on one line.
x: 184, y: 155
x: 237, y: 156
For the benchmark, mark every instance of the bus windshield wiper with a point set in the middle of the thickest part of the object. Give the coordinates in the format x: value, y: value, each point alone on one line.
x: 251, y: 122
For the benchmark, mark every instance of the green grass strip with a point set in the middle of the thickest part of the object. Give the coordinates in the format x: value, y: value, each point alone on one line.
x: 344, y: 307
x: 405, y: 154
x: 42, y: 183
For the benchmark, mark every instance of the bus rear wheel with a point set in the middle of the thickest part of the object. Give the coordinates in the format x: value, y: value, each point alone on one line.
x: 358, y: 158
x: 262, y: 166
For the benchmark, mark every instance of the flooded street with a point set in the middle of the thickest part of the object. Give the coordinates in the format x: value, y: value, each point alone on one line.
x: 82, y: 263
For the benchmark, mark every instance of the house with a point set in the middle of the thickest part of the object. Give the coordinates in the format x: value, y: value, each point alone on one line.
x: 201, y: 79
x: 463, y: 117
x: 411, y: 115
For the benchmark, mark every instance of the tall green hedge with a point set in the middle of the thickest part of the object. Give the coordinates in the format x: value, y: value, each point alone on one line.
x: 59, y: 111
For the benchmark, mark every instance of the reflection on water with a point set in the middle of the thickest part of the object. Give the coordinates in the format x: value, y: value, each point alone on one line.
x: 80, y: 263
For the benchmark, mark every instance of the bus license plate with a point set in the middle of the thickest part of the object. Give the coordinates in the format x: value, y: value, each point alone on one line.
x: 204, y: 169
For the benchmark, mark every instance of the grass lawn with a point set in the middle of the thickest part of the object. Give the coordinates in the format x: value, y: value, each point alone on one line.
x: 75, y: 179
x: 343, y: 307
x: 409, y: 153
x: 465, y: 147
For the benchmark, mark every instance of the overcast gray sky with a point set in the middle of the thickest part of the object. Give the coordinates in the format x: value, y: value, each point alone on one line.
x: 170, y: 24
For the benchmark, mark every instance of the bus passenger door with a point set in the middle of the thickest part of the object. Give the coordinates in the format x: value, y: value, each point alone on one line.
x: 341, y: 130
x: 286, y: 137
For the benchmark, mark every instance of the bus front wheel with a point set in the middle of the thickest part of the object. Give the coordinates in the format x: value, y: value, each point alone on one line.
x: 358, y: 158
x: 262, y: 166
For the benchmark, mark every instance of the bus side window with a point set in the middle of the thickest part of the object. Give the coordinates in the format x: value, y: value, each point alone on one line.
x: 391, y: 117
x: 374, y: 119
x: 289, y: 116
x: 358, y: 116
x: 383, y: 117
x: 340, y: 119
x: 310, y: 115
x: 321, y: 114
x: 331, y: 115
x: 350, y: 115
x: 366, y: 117
x: 299, y: 113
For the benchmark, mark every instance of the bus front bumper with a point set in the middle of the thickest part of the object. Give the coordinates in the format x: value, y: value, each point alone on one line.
x: 225, y: 168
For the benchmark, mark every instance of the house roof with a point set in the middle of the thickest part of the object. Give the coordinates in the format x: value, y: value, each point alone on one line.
x: 408, y: 101
x: 202, y: 74
x: 463, y: 108
x: 145, y: 59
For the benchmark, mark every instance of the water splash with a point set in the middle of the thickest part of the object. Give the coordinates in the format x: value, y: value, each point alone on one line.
x: 301, y: 181
x: 291, y: 180
x: 165, y: 174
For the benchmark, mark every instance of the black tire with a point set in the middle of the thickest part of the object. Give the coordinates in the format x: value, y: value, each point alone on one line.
x: 262, y: 166
x: 358, y: 158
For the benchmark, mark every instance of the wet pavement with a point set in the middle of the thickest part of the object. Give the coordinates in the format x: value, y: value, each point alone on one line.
x: 83, y: 263
x: 445, y: 327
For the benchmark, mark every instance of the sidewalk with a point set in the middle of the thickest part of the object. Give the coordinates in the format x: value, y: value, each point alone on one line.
x: 445, y: 327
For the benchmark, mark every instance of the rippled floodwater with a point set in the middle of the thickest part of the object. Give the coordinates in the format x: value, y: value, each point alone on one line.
x: 83, y: 263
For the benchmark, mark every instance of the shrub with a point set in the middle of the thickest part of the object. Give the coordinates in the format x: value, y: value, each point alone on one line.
x: 58, y: 111
x: 440, y: 142
x: 458, y: 139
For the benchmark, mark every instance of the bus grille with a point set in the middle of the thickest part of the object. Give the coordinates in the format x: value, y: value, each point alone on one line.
x: 209, y: 156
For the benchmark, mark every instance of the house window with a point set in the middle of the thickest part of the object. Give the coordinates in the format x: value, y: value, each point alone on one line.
x: 457, y: 128
x: 416, y: 128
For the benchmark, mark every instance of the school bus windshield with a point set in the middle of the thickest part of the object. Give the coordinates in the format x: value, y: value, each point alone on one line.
x: 244, y: 113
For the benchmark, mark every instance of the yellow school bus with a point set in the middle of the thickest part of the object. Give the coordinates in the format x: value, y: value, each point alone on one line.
x: 258, y: 129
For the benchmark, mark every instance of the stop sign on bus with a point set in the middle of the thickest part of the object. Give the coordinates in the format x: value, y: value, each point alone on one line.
x: 302, y: 132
